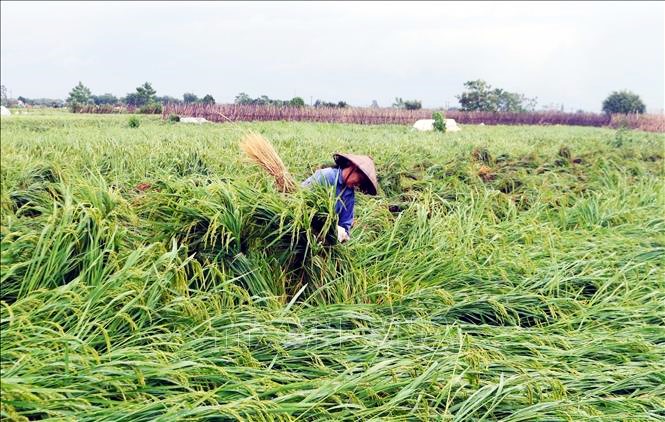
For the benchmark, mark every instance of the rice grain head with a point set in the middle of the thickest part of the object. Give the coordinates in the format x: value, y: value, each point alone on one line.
x: 262, y: 152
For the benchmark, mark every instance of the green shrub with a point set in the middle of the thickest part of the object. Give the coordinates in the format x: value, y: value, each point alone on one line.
x: 134, y: 122
x: 174, y: 118
x: 439, y: 121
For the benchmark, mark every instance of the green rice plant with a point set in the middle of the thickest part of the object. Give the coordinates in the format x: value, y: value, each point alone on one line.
x: 157, y: 276
x: 439, y: 121
x: 134, y: 122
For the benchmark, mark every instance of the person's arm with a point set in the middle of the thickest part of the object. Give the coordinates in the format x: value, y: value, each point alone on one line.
x: 314, y: 178
x: 346, y: 214
x: 325, y: 176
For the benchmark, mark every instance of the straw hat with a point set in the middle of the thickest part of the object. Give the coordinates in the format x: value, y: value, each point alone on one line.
x: 365, y: 165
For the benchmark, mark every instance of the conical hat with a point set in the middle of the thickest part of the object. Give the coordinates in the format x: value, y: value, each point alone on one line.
x: 366, y: 165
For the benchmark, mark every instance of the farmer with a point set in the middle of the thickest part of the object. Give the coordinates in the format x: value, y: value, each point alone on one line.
x: 350, y: 173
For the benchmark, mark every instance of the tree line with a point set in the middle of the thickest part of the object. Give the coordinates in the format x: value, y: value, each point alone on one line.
x: 478, y: 95
x: 144, y: 96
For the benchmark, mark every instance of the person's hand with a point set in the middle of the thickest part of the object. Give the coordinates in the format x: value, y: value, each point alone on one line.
x: 342, y: 235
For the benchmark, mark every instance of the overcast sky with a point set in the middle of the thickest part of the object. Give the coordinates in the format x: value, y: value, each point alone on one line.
x: 564, y: 53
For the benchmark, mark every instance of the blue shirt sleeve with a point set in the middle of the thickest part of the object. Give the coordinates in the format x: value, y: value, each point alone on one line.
x: 346, y: 211
x: 323, y: 176
x: 314, y: 178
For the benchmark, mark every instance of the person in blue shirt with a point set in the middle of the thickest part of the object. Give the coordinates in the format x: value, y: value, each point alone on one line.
x: 352, y: 172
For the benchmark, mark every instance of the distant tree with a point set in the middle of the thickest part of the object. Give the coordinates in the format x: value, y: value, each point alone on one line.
x: 263, y: 100
x: 3, y: 95
x: 146, y: 94
x: 78, y: 96
x: 508, y: 101
x: 342, y: 104
x: 105, y: 99
x: 189, y: 98
x: 243, y: 99
x: 297, y: 102
x: 131, y: 99
x: 42, y: 102
x: 623, y: 102
x: 479, y: 96
x: 321, y: 103
x: 408, y: 104
x: 166, y: 99
x: 374, y: 104
x: 413, y: 105
x: 208, y: 99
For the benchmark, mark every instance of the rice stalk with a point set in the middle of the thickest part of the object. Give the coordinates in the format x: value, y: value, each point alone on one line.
x: 201, y: 296
x: 262, y: 152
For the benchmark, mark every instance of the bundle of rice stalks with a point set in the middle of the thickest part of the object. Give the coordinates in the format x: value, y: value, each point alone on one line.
x: 262, y: 152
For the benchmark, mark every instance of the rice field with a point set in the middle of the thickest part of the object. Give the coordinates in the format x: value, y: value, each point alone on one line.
x: 509, y: 273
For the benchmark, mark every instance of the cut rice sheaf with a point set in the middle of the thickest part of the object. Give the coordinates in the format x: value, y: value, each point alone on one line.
x: 262, y: 152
